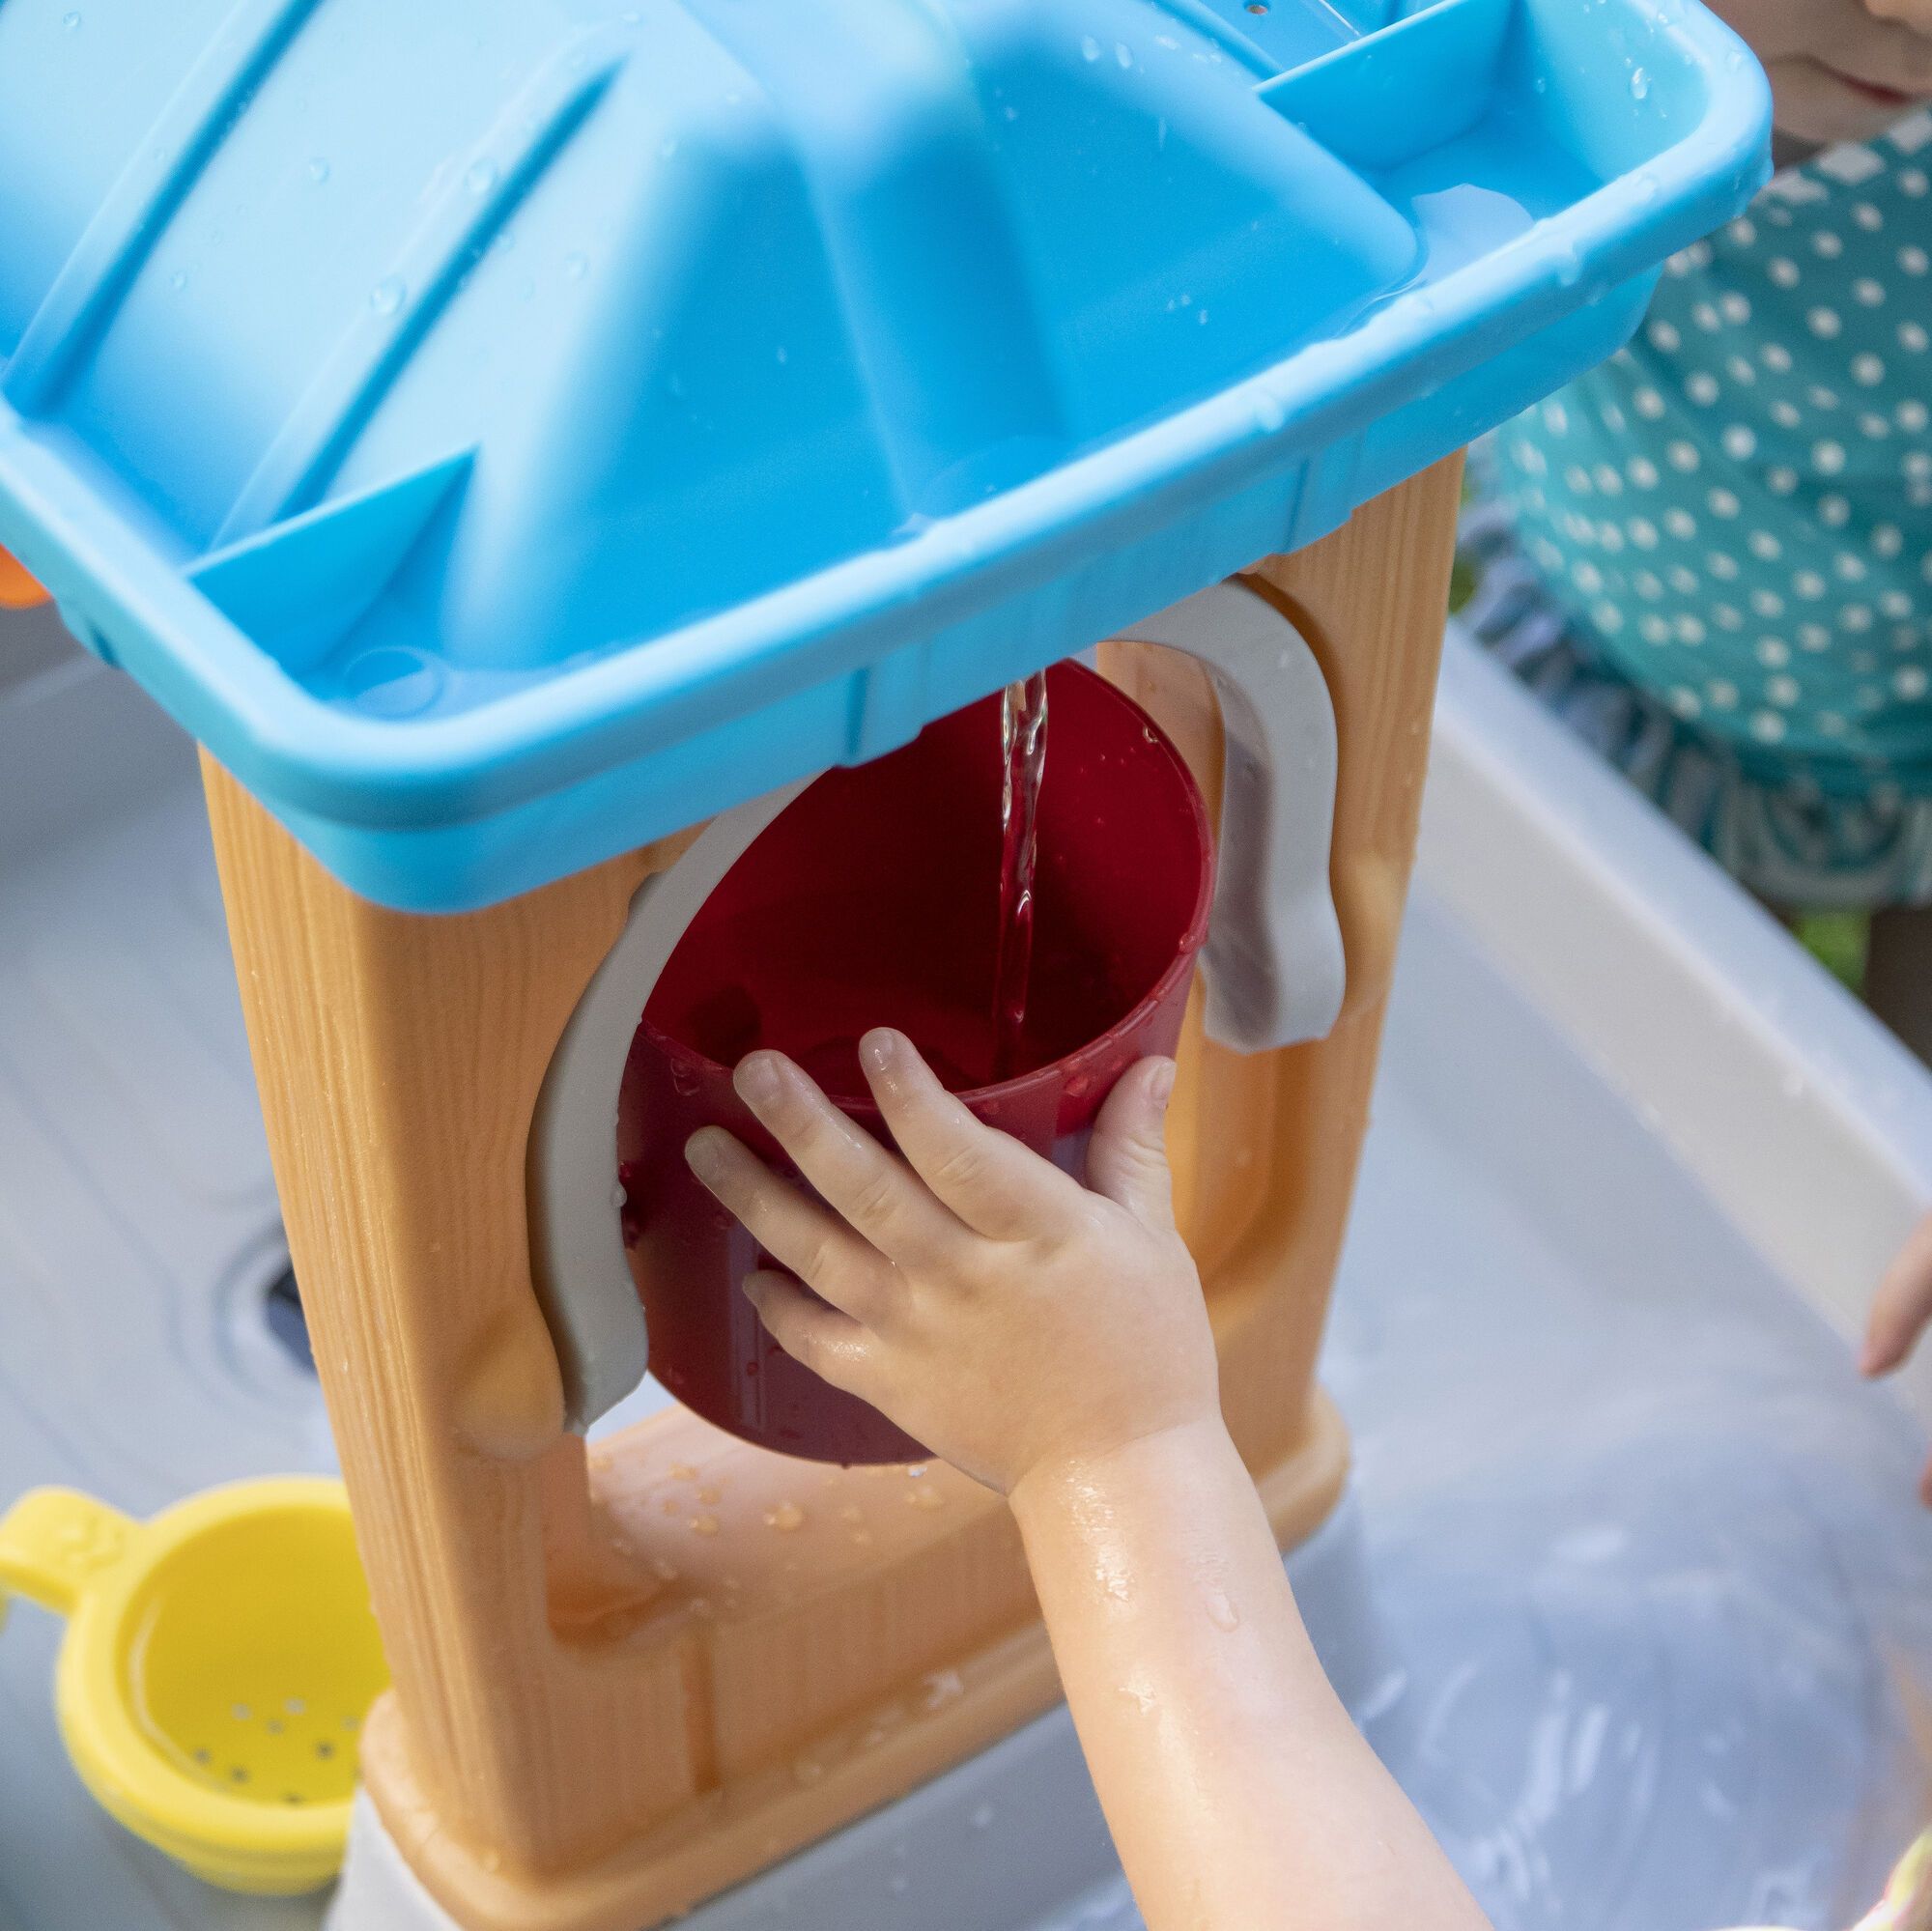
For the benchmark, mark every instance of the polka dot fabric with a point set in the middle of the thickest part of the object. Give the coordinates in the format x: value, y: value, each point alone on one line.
x: 1736, y: 512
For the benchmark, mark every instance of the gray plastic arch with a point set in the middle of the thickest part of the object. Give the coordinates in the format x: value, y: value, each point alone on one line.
x: 576, y: 1244
x: 1275, y: 971
x: 1274, y: 963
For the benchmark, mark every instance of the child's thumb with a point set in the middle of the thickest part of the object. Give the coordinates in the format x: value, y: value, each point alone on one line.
x: 1902, y: 1305
x: 1126, y: 1160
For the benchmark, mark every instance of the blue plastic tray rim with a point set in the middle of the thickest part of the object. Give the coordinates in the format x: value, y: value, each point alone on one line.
x: 310, y: 756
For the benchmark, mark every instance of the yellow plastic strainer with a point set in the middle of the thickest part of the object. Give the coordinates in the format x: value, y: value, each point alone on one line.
x: 217, y: 1665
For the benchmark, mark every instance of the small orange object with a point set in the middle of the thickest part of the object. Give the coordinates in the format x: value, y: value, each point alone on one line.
x: 19, y: 591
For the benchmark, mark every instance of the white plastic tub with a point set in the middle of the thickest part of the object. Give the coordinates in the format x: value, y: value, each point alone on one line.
x: 1644, y: 1565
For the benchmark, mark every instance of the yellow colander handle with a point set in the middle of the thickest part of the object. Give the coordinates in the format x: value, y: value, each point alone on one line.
x: 52, y: 1541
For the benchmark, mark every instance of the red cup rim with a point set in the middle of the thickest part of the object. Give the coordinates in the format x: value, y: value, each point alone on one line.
x: 1193, y: 938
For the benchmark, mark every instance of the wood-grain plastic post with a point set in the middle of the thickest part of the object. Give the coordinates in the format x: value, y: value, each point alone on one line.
x: 627, y: 1676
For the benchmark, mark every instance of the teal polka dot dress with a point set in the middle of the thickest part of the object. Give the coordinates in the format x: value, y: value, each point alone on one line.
x: 1735, y: 518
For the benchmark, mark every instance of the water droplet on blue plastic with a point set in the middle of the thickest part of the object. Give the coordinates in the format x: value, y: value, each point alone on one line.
x: 391, y: 681
x: 72, y: 22
x: 1568, y: 268
x: 318, y: 170
x: 480, y: 177
x: 576, y: 267
x: 1090, y: 48
x: 386, y: 297
x: 1639, y: 82
x: 1012, y: 113
x: 1541, y: 83
x: 1270, y: 415
x: 1646, y: 188
x: 1124, y: 54
x: 179, y: 279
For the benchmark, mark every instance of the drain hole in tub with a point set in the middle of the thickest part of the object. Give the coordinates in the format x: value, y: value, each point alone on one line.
x: 282, y: 1310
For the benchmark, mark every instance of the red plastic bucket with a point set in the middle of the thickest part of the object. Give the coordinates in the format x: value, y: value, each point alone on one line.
x: 872, y: 901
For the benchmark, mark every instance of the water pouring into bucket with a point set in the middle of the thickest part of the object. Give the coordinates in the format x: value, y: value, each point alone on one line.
x: 876, y: 899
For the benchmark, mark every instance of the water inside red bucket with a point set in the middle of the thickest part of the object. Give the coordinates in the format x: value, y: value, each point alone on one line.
x: 874, y: 900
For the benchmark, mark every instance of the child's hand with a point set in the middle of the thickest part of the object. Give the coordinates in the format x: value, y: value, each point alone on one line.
x: 1840, y: 70
x: 1899, y: 1313
x: 1053, y: 1342
x: 991, y: 1306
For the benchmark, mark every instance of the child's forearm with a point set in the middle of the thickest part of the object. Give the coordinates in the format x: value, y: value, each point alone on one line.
x: 1238, y: 1792
x: 1011, y: 1317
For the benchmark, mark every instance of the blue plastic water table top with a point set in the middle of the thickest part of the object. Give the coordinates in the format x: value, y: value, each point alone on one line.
x: 503, y: 430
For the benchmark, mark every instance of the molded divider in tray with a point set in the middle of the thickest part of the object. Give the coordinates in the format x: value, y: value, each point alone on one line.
x: 505, y: 432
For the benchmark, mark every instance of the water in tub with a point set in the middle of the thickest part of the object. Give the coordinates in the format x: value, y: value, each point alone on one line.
x: 1656, y: 1592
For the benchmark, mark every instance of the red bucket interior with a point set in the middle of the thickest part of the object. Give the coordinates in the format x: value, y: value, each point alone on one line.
x: 874, y: 900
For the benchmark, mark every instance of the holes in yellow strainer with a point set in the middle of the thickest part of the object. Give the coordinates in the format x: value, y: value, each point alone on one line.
x: 304, y: 1757
x: 256, y: 1657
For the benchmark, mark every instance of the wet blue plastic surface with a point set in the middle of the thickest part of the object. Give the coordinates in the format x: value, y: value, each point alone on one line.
x: 505, y: 432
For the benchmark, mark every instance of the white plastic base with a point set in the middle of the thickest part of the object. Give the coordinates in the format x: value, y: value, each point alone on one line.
x: 1646, y: 1551
x: 1011, y: 1840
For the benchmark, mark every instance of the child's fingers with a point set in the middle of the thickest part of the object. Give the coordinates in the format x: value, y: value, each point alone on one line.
x: 834, y: 1346
x: 1914, y: 15
x: 1902, y: 1305
x: 799, y: 1233
x: 988, y: 1179
x: 857, y: 1177
x: 1901, y: 60
x: 1127, y: 1158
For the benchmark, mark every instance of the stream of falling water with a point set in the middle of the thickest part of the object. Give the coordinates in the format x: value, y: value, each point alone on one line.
x: 1023, y: 750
